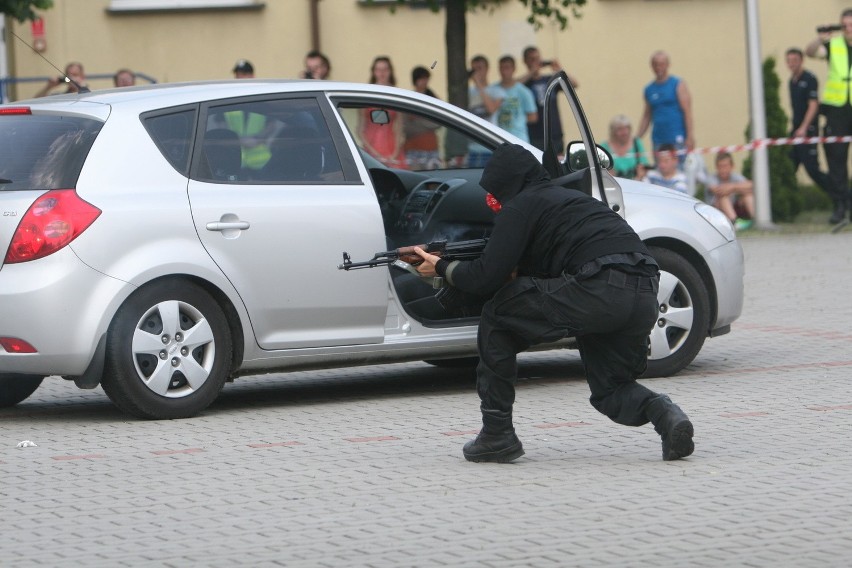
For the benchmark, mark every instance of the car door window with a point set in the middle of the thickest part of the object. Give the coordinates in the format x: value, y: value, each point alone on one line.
x: 172, y: 133
x: 409, y: 139
x: 283, y: 141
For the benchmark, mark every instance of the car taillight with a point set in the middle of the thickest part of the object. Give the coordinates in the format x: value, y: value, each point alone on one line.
x: 54, y: 220
x: 15, y: 345
x: 15, y: 110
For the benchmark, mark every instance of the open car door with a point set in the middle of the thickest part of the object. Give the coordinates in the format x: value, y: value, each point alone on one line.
x: 584, y: 164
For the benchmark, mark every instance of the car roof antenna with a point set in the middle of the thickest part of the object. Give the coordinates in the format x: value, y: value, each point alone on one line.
x: 80, y: 88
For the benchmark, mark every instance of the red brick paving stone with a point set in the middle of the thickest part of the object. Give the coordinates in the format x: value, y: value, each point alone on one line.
x: 829, y: 408
x: 276, y: 445
x: 563, y: 425
x: 461, y: 433
x: 373, y: 439
x: 172, y: 452
x: 743, y: 414
x: 83, y: 457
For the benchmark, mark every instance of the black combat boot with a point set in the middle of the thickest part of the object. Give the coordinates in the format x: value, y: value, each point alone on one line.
x: 496, y: 442
x: 673, y: 426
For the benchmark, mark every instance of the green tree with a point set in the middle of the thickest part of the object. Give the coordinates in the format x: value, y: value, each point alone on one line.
x: 783, y: 187
x: 23, y: 10
x: 455, y: 30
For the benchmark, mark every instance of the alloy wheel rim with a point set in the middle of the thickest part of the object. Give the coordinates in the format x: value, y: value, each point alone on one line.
x: 675, y: 317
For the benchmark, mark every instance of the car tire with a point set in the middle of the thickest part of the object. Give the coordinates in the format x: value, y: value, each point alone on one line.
x: 15, y: 388
x: 168, y: 352
x: 458, y: 363
x: 684, y: 316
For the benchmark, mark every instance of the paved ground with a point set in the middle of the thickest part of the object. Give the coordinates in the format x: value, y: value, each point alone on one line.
x: 363, y: 467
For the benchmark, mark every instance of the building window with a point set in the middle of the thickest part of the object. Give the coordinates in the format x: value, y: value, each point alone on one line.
x: 167, y: 5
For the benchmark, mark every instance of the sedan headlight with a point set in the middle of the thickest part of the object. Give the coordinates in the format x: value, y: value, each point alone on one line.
x: 717, y: 219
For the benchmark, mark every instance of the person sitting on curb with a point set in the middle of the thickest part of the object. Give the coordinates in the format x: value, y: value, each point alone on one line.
x: 666, y: 173
x: 731, y: 192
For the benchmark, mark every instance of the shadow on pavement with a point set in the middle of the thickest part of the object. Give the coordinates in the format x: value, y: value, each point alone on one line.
x: 56, y: 399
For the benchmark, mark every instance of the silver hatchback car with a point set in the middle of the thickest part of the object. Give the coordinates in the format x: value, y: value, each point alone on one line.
x: 162, y: 240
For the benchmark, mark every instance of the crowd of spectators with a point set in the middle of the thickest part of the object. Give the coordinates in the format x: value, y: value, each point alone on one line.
x: 515, y: 102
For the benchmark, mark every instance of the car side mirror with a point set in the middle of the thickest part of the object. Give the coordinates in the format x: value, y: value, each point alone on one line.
x: 577, y: 159
x: 379, y: 116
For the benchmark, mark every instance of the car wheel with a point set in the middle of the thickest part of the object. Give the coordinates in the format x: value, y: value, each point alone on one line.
x: 168, y: 352
x: 458, y: 363
x: 684, y: 316
x: 15, y: 388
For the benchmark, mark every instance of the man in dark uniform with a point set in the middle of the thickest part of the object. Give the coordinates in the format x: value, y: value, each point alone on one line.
x: 580, y: 271
x: 837, y: 107
x: 804, y: 100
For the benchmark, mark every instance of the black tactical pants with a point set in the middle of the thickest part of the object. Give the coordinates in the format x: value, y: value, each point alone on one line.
x: 610, y: 313
x: 838, y: 122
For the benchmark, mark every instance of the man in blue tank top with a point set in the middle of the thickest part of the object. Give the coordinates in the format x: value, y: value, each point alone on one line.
x: 669, y: 106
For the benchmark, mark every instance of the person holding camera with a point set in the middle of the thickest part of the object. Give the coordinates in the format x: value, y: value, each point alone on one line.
x: 836, y: 103
x: 74, y: 76
x: 483, y: 100
x: 536, y: 81
x: 317, y: 66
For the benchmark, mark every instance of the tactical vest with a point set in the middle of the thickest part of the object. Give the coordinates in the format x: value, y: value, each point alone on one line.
x: 838, y: 86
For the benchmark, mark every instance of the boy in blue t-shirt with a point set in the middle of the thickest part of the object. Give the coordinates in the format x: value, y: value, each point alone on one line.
x: 518, y: 107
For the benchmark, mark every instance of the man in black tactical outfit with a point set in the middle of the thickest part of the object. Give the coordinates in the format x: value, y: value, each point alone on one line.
x: 581, y: 271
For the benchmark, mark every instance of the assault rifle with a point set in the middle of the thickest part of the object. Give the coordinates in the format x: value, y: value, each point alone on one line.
x: 454, y: 301
x: 406, y: 259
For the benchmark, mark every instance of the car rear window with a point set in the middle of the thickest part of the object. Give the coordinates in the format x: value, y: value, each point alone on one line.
x: 44, y: 152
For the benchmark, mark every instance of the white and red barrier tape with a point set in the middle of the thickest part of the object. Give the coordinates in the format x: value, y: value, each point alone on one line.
x: 766, y: 142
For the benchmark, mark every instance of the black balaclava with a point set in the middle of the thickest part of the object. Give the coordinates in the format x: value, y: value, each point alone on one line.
x: 510, y: 169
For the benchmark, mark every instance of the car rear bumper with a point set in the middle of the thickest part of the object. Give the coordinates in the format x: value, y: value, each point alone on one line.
x: 61, y: 307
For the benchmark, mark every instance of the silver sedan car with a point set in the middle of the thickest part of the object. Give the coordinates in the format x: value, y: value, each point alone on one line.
x: 160, y: 241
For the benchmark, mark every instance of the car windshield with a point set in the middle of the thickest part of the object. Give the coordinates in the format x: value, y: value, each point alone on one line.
x: 44, y: 152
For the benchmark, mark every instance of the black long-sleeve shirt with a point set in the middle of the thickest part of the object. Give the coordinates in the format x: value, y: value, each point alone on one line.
x: 542, y: 229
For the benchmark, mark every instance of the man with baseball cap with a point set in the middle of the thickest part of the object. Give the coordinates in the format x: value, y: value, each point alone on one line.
x: 243, y: 69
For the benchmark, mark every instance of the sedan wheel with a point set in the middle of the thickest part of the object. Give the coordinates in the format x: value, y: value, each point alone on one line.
x: 684, y: 316
x: 168, y: 352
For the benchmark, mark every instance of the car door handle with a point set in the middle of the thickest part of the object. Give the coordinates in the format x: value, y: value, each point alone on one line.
x: 225, y: 226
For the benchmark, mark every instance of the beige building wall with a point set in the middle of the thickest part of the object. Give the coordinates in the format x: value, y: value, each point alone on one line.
x: 607, y: 50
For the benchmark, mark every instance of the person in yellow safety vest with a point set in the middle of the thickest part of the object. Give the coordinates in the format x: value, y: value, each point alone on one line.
x: 836, y: 103
x: 251, y: 128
